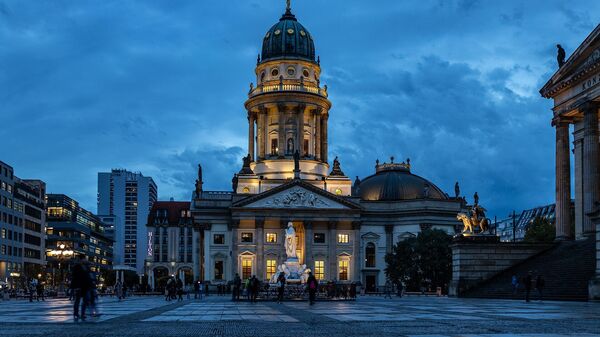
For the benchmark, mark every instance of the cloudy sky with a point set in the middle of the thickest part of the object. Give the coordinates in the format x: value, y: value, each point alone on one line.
x: 159, y: 86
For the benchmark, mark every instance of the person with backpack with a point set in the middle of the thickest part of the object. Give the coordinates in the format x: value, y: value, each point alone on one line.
x: 280, y: 287
x: 312, y: 285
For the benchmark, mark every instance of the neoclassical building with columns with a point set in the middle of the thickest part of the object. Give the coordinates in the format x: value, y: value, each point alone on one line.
x: 343, y: 229
x: 575, y: 90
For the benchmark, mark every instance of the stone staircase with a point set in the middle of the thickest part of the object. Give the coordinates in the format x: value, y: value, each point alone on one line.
x: 567, y: 268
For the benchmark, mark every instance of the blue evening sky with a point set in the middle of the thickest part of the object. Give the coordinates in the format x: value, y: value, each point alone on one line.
x: 158, y: 86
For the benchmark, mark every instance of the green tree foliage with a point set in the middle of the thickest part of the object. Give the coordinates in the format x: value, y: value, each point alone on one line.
x: 540, y: 230
x: 422, y: 260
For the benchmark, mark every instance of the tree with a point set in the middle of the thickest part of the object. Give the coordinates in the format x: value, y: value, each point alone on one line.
x: 540, y: 230
x: 425, y: 259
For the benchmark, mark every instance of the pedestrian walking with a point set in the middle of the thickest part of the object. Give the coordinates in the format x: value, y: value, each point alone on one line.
x: 80, y: 285
x: 237, y: 284
x: 31, y: 285
x: 312, y: 286
x: 515, y: 284
x: 255, y: 285
x: 281, y: 287
x: 197, y: 293
x: 539, y: 285
x: 388, y: 289
x: 179, y: 287
x: 248, y: 289
x: 40, y: 291
x: 400, y: 288
x: 528, y: 280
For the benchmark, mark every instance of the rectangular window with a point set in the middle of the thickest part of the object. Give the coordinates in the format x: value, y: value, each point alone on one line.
x: 3, y: 233
x: 271, y: 237
x: 219, y: 239
x: 319, y: 238
x: 343, y: 238
x: 320, y: 270
x: 343, y: 270
x: 246, y: 268
x: 271, y: 268
x: 219, y: 270
x: 306, y: 147
x: 274, y: 147
x: 247, y: 237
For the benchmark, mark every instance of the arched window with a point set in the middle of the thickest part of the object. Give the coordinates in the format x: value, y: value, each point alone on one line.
x: 370, y: 255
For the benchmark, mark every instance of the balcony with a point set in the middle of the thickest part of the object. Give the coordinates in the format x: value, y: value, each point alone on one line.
x: 281, y: 87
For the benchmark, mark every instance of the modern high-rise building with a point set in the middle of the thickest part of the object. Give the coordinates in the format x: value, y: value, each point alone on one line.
x: 22, y: 226
x: 129, y: 196
x: 72, y: 231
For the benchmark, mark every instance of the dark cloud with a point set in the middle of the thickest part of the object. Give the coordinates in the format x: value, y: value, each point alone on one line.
x: 159, y: 86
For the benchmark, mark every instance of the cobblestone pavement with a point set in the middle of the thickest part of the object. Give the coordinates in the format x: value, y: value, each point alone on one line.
x: 368, y: 316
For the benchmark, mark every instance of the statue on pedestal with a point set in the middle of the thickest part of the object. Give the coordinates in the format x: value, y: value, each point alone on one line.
x: 456, y: 190
x: 561, y: 55
x: 199, y: 182
x: 290, y: 241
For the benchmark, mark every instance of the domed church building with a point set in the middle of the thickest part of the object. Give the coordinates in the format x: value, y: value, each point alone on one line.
x: 343, y: 229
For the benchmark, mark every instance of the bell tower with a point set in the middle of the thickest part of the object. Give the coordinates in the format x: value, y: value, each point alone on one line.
x: 287, y: 109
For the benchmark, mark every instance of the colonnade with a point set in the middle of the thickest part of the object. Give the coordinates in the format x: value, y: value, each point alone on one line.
x: 588, y: 177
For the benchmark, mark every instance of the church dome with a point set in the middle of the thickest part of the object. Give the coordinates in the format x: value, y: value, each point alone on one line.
x: 288, y: 39
x: 394, y: 182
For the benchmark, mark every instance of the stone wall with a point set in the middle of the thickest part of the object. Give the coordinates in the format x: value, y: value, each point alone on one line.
x: 594, y: 287
x: 475, y: 262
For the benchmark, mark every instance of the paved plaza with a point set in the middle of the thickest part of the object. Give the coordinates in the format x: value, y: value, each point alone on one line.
x: 368, y: 316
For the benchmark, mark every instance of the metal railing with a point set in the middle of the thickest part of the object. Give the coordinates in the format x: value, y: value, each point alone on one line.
x: 261, y: 89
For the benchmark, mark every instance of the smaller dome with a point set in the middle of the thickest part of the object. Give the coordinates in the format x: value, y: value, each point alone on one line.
x: 288, y: 39
x: 394, y: 182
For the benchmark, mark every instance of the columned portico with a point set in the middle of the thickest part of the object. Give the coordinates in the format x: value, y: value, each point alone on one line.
x: 563, y: 181
x: 591, y: 173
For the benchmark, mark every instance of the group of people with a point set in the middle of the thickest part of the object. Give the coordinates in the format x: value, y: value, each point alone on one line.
x: 36, y: 288
x: 529, y: 282
x: 84, y: 290
x: 252, y: 287
x: 174, y: 289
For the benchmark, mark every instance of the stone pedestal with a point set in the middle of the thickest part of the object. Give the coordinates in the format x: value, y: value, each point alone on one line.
x: 594, y: 285
x: 478, y: 258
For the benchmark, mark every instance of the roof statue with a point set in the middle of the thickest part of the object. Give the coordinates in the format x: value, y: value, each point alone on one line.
x: 475, y: 199
x: 288, y: 5
x: 234, y: 182
x: 456, y: 190
x: 199, y: 181
x: 246, y: 166
x: 336, y: 171
x: 560, y: 56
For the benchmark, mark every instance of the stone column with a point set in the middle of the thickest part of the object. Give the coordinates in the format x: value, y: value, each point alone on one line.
x: 317, y: 135
x: 357, y: 254
x: 300, y: 130
x: 261, y: 135
x: 563, y: 181
x: 591, y: 173
x: 578, y: 173
x: 195, y: 254
x: 281, y: 141
x: 251, y: 120
x: 324, y: 148
x: 308, y: 241
x: 332, y: 249
x: 234, y: 244
x: 260, y: 247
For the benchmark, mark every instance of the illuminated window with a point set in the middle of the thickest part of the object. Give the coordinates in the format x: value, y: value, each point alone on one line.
x: 343, y: 238
x: 245, y: 189
x: 219, y: 270
x: 320, y: 270
x: 247, y: 237
x: 271, y: 237
x: 343, y: 275
x: 274, y: 147
x: 271, y: 268
x: 246, y: 268
x: 338, y: 191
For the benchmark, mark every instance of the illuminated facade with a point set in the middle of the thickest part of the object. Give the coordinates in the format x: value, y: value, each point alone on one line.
x: 22, y: 226
x: 343, y: 229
